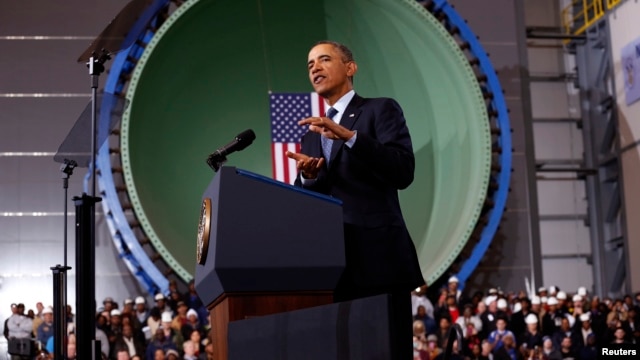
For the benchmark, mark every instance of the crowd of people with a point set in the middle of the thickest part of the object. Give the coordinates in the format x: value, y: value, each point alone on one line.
x: 548, y: 325
x: 173, y: 327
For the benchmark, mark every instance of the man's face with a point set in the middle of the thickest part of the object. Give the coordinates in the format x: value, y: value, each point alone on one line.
x: 182, y: 310
x: 619, y: 334
x: 158, y: 355
x: 451, y: 301
x: 40, y: 307
x: 577, y: 304
x: 48, y: 318
x: 128, y: 308
x: 160, y: 334
x: 189, y: 349
x: 126, y: 330
x: 328, y: 72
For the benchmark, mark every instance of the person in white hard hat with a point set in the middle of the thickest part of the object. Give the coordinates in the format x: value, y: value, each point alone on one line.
x: 452, y: 286
x: 45, y: 330
x: 578, y: 305
x: 552, y: 318
x: 161, y: 303
x: 532, y: 336
x: 580, y: 339
x: 142, y: 314
x: 489, y: 317
x: 536, y: 304
x: 518, y: 319
x: 561, y: 296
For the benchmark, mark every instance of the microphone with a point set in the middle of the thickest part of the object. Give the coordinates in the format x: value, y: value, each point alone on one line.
x: 241, y: 141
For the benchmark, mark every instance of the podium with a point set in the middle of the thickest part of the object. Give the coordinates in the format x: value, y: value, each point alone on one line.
x: 264, y: 247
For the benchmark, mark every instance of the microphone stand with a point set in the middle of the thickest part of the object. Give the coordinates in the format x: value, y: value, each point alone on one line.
x: 216, y: 160
x: 67, y: 170
x: 455, y: 333
x: 60, y: 273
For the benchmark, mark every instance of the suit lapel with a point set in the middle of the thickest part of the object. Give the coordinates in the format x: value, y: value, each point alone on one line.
x: 347, y: 120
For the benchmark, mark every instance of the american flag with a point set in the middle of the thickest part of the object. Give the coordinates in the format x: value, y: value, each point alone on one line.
x: 286, y: 110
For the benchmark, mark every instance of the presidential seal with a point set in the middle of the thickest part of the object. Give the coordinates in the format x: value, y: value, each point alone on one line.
x: 204, y: 228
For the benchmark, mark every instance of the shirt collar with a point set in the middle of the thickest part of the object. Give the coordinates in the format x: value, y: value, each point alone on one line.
x: 341, y: 104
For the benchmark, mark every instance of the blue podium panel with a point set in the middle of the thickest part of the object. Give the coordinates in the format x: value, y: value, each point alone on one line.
x: 357, y: 329
x: 267, y: 236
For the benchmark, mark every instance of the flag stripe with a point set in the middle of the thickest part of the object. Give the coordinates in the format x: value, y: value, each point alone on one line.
x: 293, y: 171
x: 286, y: 110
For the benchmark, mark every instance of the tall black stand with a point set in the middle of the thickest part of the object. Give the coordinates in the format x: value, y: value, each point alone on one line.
x: 85, y: 275
x: 59, y: 311
x: 96, y: 67
x: 67, y: 170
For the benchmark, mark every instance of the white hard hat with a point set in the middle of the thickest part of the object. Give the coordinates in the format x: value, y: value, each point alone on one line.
x: 166, y: 317
x: 582, y: 291
x: 531, y: 319
x: 535, y: 300
x: 140, y: 300
x: 502, y: 304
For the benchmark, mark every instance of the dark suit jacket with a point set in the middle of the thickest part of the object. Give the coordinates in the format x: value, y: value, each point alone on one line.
x: 380, y: 254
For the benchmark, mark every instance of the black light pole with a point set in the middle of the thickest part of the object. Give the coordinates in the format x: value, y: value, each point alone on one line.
x: 59, y: 311
x: 85, y: 276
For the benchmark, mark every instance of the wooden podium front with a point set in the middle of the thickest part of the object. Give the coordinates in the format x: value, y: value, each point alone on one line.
x: 240, y: 306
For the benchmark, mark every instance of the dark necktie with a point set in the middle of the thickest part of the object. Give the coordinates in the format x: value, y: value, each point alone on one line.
x: 326, y: 142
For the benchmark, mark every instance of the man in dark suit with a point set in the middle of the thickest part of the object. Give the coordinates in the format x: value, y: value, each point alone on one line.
x: 361, y: 153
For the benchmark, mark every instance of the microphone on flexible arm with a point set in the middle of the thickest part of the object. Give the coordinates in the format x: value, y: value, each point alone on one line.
x: 241, y: 141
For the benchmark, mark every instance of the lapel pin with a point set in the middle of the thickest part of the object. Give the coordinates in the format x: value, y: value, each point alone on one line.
x: 351, y: 115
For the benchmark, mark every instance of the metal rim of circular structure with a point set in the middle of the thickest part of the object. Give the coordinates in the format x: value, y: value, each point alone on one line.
x: 124, y: 226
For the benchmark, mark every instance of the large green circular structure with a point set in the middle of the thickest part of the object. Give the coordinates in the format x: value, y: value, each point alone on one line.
x: 207, y: 73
